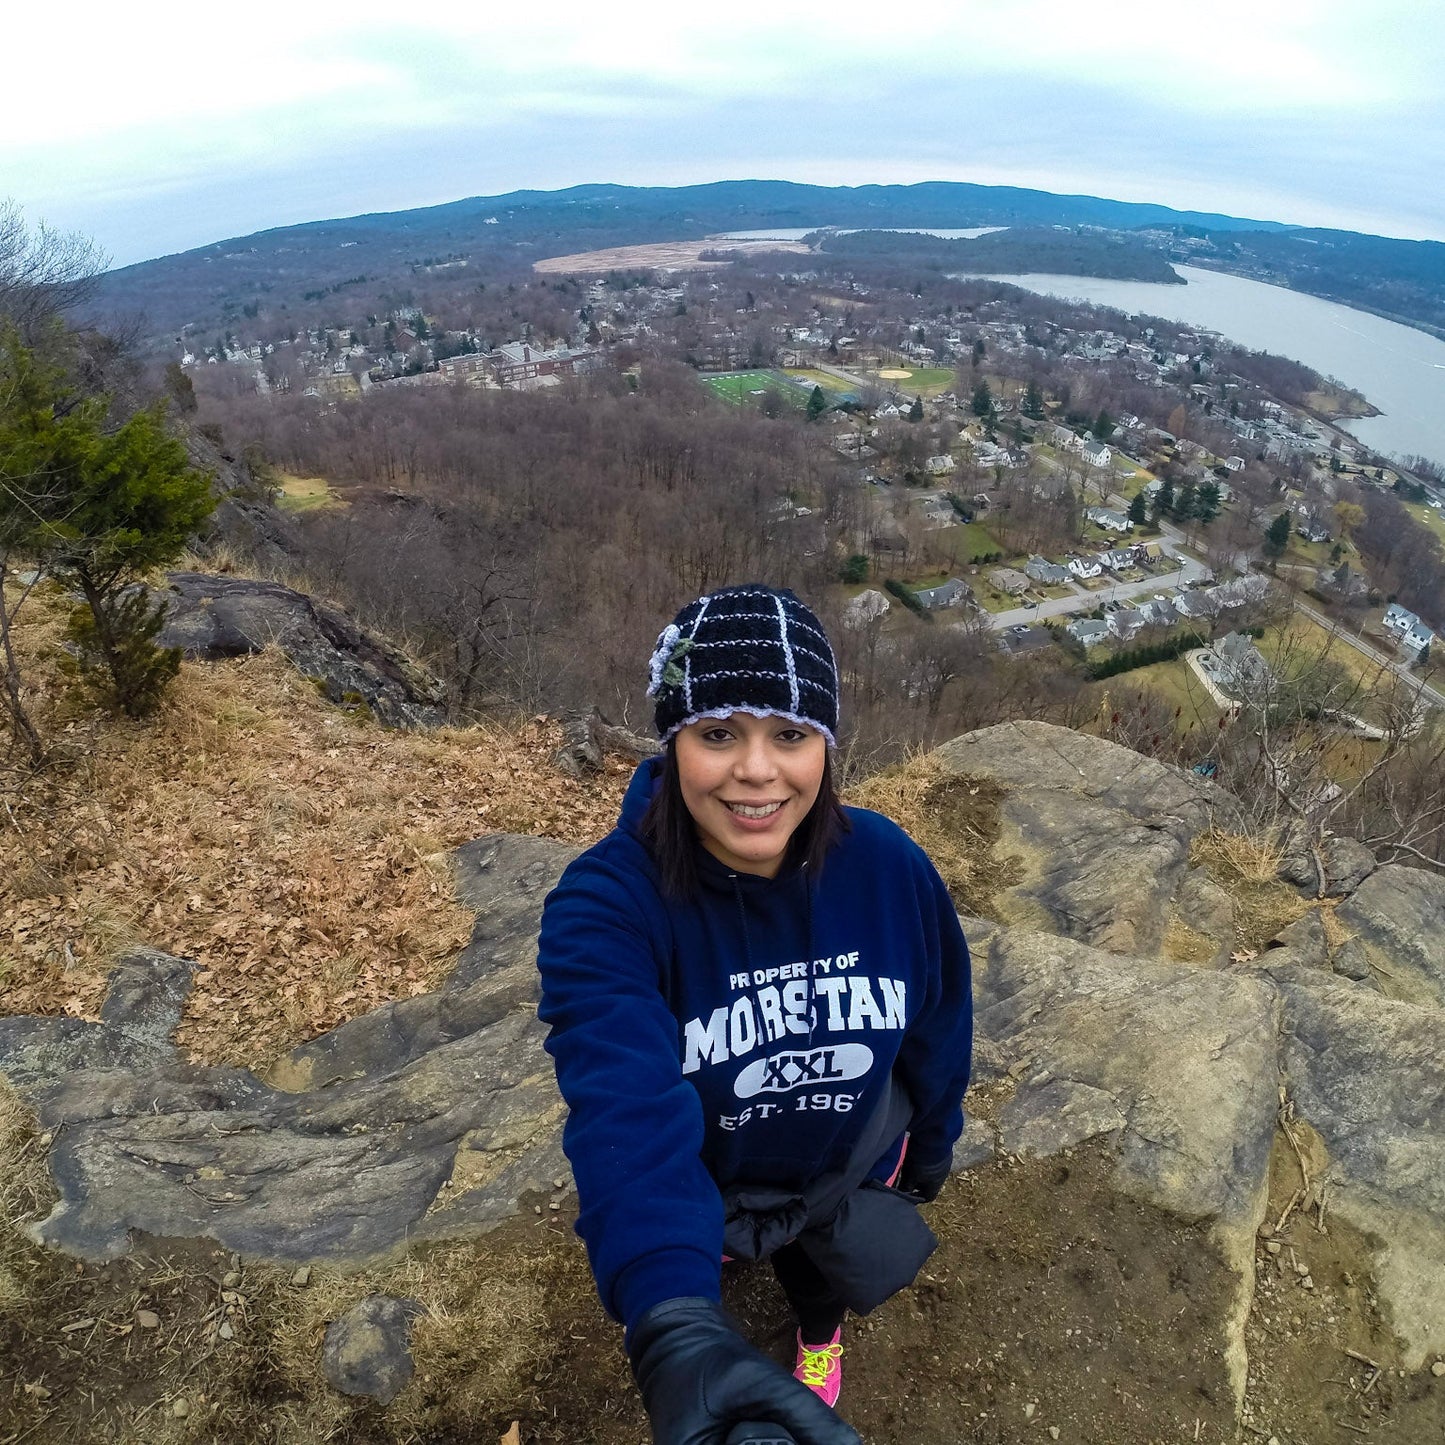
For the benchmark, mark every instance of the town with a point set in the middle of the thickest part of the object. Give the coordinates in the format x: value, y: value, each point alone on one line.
x: 1045, y: 474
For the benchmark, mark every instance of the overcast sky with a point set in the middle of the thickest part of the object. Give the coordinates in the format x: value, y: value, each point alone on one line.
x: 157, y: 126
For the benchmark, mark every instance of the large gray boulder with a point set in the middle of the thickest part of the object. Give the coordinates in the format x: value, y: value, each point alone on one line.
x: 1101, y: 835
x: 1368, y: 1075
x: 1398, y: 916
x: 214, y: 616
x: 430, y: 1118
x: 1176, y: 1063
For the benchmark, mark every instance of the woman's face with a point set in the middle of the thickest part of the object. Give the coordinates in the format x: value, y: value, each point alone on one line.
x: 748, y: 783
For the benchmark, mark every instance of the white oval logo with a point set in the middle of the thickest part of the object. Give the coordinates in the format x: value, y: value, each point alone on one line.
x: 828, y: 1065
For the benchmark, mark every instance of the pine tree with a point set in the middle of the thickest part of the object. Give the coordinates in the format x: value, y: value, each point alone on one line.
x: 97, y: 507
x: 1164, y: 499
x: 817, y: 404
x: 915, y: 412
x: 1276, y: 537
x: 982, y: 399
x: 1206, y: 502
x: 1103, y: 426
x: 1139, y: 509
x: 1033, y: 402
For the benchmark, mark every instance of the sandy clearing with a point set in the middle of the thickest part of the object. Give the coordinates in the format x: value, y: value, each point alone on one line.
x: 667, y: 255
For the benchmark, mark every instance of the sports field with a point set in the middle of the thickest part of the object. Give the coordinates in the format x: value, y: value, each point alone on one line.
x: 744, y: 387
x: 917, y: 380
x: 812, y: 378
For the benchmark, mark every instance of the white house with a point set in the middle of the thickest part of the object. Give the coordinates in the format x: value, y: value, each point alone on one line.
x: 1400, y: 619
x: 1234, y: 464
x: 1097, y: 454
x: 940, y: 465
x: 1119, y: 559
x: 1086, y: 567
x: 1088, y: 630
x: 1109, y: 520
x: 866, y: 607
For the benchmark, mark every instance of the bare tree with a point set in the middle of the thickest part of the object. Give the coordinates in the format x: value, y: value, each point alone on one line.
x: 43, y: 272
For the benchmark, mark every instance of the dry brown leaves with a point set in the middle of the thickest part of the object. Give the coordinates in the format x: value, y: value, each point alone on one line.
x: 276, y: 841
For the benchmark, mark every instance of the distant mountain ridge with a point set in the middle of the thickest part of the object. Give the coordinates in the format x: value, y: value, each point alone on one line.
x: 1404, y: 280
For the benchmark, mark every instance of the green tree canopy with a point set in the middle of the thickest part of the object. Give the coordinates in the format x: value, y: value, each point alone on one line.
x: 982, y: 399
x: 1276, y: 537
x: 99, y: 505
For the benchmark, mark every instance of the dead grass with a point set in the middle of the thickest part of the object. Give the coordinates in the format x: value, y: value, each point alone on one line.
x: 1247, y: 866
x: 954, y: 819
x: 259, y: 830
x: 25, y: 1193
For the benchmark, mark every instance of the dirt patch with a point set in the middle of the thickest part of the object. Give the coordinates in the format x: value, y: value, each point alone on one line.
x: 666, y: 255
x: 1052, y: 1303
x: 1309, y: 1343
x: 956, y: 820
x: 1047, y: 1292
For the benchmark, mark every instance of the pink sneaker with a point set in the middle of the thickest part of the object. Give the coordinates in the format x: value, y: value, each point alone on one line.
x: 820, y: 1367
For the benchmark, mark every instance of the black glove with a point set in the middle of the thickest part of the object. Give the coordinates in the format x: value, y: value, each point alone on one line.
x: 699, y: 1378
x: 923, y: 1181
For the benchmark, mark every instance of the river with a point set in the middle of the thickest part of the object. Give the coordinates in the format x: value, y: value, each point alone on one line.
x: 1398, y: 369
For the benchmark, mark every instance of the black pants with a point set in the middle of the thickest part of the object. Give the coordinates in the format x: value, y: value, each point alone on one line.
x: 818, y: 1309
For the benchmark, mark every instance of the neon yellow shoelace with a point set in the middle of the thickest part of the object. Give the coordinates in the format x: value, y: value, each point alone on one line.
x: 818, y: 1364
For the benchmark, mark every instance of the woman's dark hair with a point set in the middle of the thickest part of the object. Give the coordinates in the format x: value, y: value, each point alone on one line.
x: 670, y: 832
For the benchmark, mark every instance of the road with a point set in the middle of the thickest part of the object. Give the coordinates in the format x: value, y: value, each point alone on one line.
x: 1085, y: 601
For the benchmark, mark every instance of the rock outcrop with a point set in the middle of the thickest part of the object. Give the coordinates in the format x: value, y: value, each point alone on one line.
x: 433, y: 1118
x: 214, y: 616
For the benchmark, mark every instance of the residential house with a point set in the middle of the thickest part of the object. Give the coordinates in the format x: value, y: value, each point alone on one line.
x: 868, y: 606
x: 1312, y: 531
x: 1194, y: 603
x: 950, y: 594
x: 1006, y: 579
x: 1046, y: 573
x: 1108, y: 519
x: 1061, y: 436
x: 1158, y: 612
x: 1119, y: 559
x: 1090, y: 631
x: 1234, y: 464
x: 1016, y: 641
x: 1399, y: 619
x: 1252, y: 587
x: 940, y: 466
x: 1086, y: 567
x: 1125, y: 622
x: 1414, y: 635
x: 1097, y: 454
x: 1238, y: 666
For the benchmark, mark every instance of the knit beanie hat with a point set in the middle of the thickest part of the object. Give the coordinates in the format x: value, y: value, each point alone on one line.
x: 746, y: 649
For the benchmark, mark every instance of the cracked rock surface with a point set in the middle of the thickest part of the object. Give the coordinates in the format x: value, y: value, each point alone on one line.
x: 433, y: 1117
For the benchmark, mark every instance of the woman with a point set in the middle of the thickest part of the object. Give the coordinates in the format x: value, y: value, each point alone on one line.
x: 761, y: 1018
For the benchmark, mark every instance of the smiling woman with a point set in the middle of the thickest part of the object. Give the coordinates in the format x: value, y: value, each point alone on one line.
x: 761, y: 1018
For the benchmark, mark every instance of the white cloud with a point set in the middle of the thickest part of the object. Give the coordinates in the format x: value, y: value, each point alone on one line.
x: 158, y: 98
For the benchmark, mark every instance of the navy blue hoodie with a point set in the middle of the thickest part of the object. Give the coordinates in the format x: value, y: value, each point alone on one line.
x: 744, y: 1035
